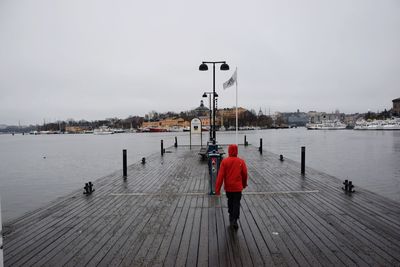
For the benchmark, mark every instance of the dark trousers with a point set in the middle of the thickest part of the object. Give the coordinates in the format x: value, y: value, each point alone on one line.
x: 234, y: 204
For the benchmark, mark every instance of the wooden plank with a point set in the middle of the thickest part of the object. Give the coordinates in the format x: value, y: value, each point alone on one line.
x: 157, y: 217
x: 154, y: 246
x: 172, y: 255
x: 328, y: 241
x: 202, y: 258
x: 69, y: 251
x: 281, y: 255
x: 183, y: 250
x: 239, y: 250
x: 360, y: 229
x: 250, y: 227
x: 346, y: 227
x: 115, y: 256
x: 193, y: 248
x: 225, y: 258
x: 169, y: 235
x: 213, y: 251
x: 60, y: 234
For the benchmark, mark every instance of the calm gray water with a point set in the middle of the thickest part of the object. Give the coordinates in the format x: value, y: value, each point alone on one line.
x: 35, y: 170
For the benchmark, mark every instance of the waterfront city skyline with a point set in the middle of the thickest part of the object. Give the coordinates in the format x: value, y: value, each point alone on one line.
x: 96, y: 59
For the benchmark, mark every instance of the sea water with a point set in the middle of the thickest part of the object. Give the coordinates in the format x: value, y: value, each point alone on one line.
x: 37, y: 169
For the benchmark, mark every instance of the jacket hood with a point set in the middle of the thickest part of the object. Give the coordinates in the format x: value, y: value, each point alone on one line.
x: 233, y: 150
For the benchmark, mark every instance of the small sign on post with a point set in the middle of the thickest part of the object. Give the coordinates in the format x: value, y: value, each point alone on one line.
x: 195, y: 128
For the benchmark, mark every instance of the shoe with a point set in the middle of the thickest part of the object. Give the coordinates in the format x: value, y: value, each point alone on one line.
x: 235, y: 224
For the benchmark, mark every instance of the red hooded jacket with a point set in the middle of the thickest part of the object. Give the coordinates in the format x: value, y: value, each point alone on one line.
x: 232, y: 173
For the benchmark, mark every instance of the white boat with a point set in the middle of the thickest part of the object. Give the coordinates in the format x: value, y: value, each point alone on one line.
x: 361, y: 125
x: 388, y: 124
x: 327, y: 125
x: 119, y: 130
x: 392, y: 124
x: 176, y: 129
x: 103, y: 130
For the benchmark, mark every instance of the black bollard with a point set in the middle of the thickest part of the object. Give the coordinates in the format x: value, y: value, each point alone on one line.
x: 124, y: 163
x: 351, y: 186
x: 176, y: 142
x: 245, y: 140
x: 162, y: 148
x: 91, y: 189
x: 143, y: 160
x: 260, y: 148
x: 303, y: 160
x: 88, y: 188
x: 281, y: 157
x: 346, y: 185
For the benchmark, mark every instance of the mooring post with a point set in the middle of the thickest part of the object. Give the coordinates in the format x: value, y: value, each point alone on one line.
x: 176, y: 142
x: 162, y: 148
x: 260, y: 148
x: 124, y: 163
x: 245, y: 140
x: 303, y: 160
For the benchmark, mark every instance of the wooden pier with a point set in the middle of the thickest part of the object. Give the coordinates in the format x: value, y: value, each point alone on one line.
x: 161, y: 215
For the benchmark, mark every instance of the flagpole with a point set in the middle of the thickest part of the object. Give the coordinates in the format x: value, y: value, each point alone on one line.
x: 236, y: 109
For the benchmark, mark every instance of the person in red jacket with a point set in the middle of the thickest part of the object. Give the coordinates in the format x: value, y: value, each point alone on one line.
x: 233, y: 174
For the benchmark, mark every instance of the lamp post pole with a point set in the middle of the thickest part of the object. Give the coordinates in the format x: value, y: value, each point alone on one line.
x: 204, y: 67
x: 213, y: 132
x: 210, y: 111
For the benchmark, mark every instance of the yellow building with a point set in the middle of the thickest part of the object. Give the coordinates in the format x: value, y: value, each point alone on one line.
x: 166, y: 123
x: 229, y: 113
x: 222, y: 115
x: 74, y: 129
x: 205, y: 121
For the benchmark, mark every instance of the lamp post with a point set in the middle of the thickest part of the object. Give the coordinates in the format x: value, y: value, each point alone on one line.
x: 210, y: 109
x: 204, y: 67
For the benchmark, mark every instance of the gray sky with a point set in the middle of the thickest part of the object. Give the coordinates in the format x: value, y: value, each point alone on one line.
x: 95, y: 59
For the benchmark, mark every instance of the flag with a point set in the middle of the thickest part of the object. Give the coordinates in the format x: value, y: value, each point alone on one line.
x: 231, y: 81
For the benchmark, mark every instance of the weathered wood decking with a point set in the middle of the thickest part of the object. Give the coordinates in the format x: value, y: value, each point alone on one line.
x: 161, y: 215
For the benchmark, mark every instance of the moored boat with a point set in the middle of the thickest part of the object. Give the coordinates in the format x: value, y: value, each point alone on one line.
x: 388, y: 124
x: 102, y: 130
x: 327, y: 125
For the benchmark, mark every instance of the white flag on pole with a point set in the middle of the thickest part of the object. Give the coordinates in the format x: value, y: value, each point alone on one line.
x: 231, y: 81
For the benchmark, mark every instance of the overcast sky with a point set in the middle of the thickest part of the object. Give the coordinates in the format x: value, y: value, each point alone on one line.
x: 97, y: 59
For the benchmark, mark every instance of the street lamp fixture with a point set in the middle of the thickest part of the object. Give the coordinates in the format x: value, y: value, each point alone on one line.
x: 204, y: 67
x: 224, y: 66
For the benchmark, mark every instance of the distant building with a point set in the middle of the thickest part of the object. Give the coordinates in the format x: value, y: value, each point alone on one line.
x: 350, y: 119
x: 201, y: 110
x: 295, y: 118
x: 205, y: 121
x: 318, y: 117
x: 227, y: 116
x: 76, y: 129
x: 396, y: 106
x: 229, y: 113
x: 166, y: 123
